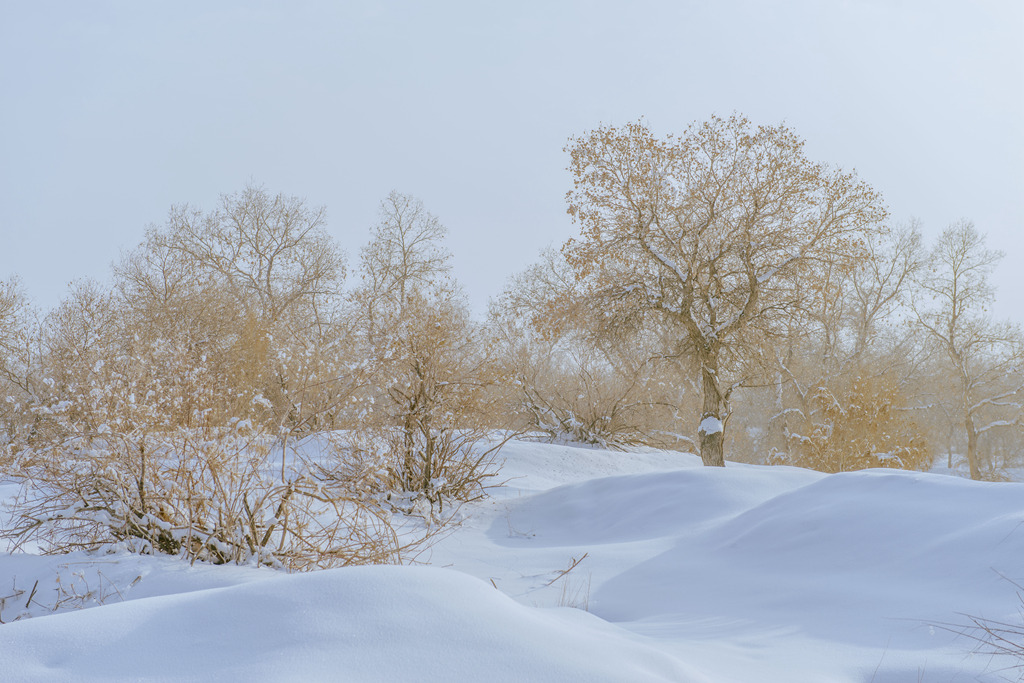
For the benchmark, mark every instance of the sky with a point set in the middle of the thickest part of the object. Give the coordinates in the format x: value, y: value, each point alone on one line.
x: 112, y: 112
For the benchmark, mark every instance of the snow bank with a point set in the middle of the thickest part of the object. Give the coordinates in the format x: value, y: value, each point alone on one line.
x: 644, y: 506
x: 358, y: 624
x: 533, y: 466
x: 689, y: 574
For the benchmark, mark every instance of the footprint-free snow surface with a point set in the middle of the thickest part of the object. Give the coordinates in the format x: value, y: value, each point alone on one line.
x: 675, y: 573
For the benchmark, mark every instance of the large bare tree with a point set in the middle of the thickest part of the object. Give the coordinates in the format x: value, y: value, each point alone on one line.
x: 720, y: 233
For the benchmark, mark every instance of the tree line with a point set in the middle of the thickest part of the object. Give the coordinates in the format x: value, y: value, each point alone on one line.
x: 725, y: 295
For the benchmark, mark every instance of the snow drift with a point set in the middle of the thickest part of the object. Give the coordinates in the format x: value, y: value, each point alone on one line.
x: 689, y: 574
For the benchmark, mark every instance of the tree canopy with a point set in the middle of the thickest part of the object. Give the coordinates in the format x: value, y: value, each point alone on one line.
x: 720, y: 233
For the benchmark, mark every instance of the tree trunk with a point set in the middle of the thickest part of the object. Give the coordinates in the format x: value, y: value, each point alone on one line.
x: 972, y: 447
x: 712, y: 428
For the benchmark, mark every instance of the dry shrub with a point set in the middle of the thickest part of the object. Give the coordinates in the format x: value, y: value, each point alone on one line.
x: 135, y: 447
x: 585, y: 371
x: 589, y: 402
x: 443, y: 465
x: 202, y: 494
x: 859, y: 428
x: 996, y: 637
x: 129, y: 454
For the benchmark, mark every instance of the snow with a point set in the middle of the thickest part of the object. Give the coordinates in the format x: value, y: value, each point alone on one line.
x: 687, y: 573
x: 710, y: 425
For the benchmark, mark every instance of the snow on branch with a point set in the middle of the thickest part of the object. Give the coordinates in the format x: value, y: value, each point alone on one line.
x: 772, y: 272
x: 999, y: 423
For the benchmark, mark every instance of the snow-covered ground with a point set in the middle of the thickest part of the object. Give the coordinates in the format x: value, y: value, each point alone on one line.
x: 678, y: 573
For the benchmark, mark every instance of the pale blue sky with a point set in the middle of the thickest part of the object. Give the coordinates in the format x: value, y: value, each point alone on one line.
x: 112, y: 111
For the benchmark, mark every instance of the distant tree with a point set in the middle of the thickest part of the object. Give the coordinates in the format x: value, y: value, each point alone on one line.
x: 18, y: 341
x: 718, y: 234
x: 879, y: 285
x: 985, y: 356
x: 271, y: 252
x: 406, y: 254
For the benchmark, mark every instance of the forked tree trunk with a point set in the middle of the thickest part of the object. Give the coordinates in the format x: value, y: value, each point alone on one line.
x: 712, y: 428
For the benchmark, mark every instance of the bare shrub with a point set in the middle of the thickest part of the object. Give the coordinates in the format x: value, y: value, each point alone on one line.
x: 995, y: 637
x: 120, y: 467
x: 135, y: 448
x: 858, y: 428
x: 584, y: 400
x: 578, y: 376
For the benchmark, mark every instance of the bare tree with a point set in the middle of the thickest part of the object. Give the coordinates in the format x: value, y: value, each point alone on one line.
x: 406, y: 254
x: 719, y: 233
x: 252, y: 288
x: 433, y: 394
x: 985, y: 356
x: 270, y: 252
x: 879, y: 285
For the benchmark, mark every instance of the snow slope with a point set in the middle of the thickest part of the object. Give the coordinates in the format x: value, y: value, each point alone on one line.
x: 688, y: 574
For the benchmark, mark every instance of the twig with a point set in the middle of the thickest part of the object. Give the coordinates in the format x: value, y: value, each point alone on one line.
x: 572, y: 566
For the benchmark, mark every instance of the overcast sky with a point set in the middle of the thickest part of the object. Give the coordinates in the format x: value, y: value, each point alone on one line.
x: 110, y: 112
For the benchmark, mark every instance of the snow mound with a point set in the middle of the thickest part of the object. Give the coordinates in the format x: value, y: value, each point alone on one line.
x: 533, y: 466
x: 357, y: 624
x: 840, y: 560
x: 644, y: 506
